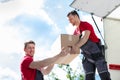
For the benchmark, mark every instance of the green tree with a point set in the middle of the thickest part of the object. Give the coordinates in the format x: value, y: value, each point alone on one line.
x: 71, y: 75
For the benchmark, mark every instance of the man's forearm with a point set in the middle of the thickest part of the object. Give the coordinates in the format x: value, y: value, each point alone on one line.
x: 47, y: 69
x: 81, y: 42
x: 42, y: 63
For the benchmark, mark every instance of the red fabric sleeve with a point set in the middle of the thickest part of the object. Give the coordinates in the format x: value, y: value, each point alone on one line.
x: 27, y: 62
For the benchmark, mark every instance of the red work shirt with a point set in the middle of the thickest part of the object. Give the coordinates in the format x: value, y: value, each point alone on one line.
x: 26, y: 72
x: 86, y: 26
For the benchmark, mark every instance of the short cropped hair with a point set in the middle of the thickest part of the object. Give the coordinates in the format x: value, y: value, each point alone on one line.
x: 29, y: 42
x: 73, y: 13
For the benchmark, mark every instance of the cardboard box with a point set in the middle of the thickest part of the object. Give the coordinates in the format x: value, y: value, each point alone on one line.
x: 62, y: 41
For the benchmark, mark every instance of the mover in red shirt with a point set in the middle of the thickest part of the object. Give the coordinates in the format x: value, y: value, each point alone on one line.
x: 34, y: 70
x: 90, y: 45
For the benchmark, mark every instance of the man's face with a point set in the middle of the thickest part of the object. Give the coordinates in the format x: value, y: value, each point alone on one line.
x: 71, y: 19
x: 30, y: 49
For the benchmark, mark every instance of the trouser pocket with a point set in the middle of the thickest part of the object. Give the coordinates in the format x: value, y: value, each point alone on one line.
x: 90, y: 47
x: 97, y: 56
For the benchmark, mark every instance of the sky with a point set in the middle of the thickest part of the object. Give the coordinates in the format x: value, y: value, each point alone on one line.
x: 39, y: 20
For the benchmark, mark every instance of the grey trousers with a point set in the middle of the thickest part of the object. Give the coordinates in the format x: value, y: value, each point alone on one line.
x: 94, y: 59
x: 90, y: 69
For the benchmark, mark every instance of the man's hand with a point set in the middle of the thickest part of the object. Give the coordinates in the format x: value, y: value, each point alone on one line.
x: 65, y: 51
x: 74, y: 49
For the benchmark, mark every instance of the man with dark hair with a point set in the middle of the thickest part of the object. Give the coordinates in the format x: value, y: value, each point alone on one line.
x: 90, y: 45
x: 34, y: 70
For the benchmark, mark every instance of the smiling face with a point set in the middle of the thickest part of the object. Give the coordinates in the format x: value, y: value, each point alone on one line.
x: 29, y: 48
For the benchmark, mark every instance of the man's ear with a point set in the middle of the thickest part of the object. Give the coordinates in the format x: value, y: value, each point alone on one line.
x: 76, y: 16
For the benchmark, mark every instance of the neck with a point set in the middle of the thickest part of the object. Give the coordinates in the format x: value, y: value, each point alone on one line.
x: 29, y: 55
x: 77, y: 23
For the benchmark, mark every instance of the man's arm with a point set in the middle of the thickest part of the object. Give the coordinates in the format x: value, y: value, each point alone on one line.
x: 81, y: 41
x: 47, y: 69
x: 84, y: 39
x: 43, y: 63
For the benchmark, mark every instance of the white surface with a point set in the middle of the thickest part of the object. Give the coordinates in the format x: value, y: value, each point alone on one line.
x: 112, y: 37
x: 100, y: 8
